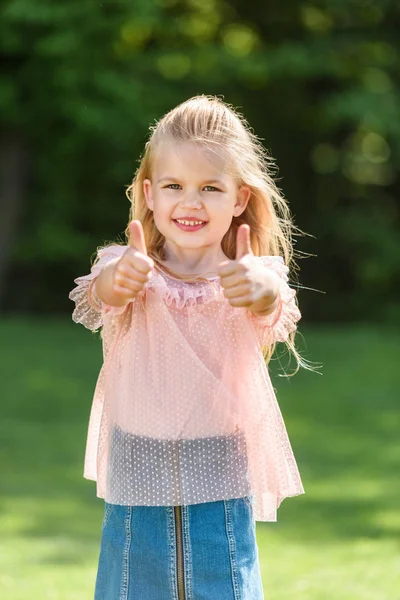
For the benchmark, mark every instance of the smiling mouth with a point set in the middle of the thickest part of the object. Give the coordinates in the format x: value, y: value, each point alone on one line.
x: 189, y: 226
x: 185, y: 222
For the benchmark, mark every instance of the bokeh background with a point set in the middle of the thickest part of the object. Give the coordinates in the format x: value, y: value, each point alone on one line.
x: 319, y: 83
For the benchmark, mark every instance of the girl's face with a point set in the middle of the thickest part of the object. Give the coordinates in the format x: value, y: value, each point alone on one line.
x: 189, y: 184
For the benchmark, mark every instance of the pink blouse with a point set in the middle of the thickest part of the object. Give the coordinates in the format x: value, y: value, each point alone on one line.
x: 184, y: 410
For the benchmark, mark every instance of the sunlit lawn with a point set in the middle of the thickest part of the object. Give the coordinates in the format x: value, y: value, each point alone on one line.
x: 341, y: 540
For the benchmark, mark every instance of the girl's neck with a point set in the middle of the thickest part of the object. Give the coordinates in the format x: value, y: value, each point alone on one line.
x: 196, y: 261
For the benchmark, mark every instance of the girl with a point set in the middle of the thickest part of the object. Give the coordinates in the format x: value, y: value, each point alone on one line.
x: 186, y: 440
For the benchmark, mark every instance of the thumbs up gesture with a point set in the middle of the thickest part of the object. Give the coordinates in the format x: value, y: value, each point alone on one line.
x: 133, y: 270
x: 245, y: 280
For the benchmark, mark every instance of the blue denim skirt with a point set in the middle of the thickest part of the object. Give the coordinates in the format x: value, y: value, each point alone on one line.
x: 204, y: 551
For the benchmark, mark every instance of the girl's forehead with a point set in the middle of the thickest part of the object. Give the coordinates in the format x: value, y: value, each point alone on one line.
x: 184, y: 159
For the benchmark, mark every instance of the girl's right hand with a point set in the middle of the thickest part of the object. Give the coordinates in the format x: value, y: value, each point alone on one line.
x: 133, y: 270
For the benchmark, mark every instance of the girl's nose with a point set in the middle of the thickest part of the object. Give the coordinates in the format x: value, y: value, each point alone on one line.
x: 191, y: 200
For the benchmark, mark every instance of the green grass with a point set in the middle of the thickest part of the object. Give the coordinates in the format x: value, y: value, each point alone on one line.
x: 338, y: 541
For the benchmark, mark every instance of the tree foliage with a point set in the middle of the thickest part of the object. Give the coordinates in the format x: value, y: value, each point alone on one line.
x: 318, y: 82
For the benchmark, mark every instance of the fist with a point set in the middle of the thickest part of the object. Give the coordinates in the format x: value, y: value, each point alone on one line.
x: 246, y: 282
x: 133, y: 270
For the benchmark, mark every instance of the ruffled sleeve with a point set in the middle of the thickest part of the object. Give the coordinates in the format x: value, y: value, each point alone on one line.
x: 89, y: 310
x: 277, y: 326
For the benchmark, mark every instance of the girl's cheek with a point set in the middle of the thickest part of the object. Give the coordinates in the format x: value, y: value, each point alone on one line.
x: 170, y: 198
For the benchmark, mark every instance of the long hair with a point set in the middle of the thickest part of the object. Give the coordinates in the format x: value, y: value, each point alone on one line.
x: 219, y: 128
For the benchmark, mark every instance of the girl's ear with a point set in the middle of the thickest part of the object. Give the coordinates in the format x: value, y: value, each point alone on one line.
x: 148, y: 193
x: 242, y: 199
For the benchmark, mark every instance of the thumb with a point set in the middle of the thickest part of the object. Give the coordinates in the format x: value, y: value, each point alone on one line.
x: 243, y: 245
x: 136, y: 237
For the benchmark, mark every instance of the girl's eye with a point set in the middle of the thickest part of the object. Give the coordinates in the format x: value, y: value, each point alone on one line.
x: 207, y: 188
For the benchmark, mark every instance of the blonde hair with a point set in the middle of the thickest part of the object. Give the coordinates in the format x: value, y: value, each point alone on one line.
x: 220, y: 129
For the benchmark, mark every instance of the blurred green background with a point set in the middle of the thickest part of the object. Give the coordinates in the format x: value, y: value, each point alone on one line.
x: 319, y: 83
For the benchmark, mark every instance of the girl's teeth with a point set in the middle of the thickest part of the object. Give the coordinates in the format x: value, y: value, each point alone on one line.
x: 190, y: 222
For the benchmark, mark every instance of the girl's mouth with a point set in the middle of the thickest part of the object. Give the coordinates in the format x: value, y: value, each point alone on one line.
x: 189, y: 225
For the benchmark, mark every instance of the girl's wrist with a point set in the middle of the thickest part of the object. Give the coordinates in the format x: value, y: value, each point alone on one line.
x: 103, y: 287
x: 265, y: 306
x: 270, y: 299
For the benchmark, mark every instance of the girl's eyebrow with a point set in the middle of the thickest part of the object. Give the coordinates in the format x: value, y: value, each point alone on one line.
x: 206, y: 182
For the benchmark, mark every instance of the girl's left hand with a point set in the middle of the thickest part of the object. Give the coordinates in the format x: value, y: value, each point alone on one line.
x: 246, y: 282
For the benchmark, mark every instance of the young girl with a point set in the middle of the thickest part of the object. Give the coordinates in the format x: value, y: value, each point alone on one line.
x: 186, y: 440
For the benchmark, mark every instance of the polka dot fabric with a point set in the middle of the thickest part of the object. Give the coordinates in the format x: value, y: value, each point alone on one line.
x: 184, y: 410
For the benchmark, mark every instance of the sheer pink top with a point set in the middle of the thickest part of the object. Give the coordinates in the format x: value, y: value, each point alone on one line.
x: 184, y: 410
